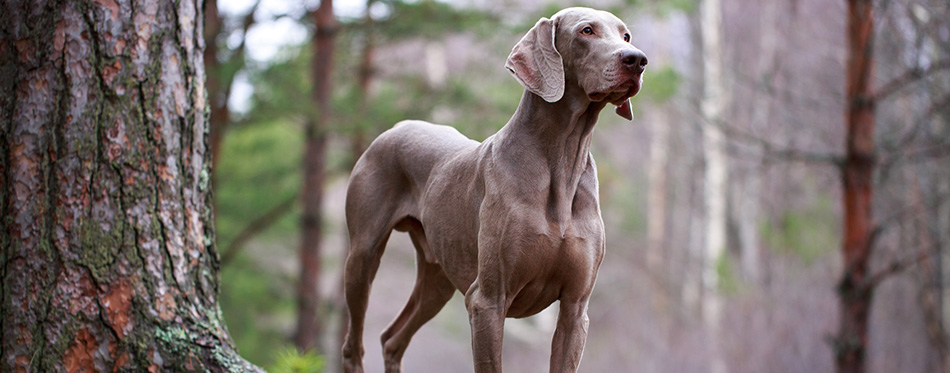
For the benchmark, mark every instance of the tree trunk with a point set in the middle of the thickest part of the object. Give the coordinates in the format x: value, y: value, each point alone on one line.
x: 308, y: 325
x: 747, y: 192
x: 108, y: 257
x: 221, y: 73
x: 943, y: 248
x: 854, y: 291
x: 658, y: 202
x: 217, y: 93
x: 716, y: 186
x: 690, y: 289
x: 358, y: 142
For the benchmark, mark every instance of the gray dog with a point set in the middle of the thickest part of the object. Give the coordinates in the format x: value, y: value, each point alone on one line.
x: 513, y: 222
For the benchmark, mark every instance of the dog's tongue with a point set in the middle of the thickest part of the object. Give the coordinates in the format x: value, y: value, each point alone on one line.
x: 623, y: 110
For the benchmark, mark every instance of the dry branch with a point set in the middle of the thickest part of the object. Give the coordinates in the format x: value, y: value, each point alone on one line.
x: 910, y: 76
x: 773, y: 152
x: 895, y: 267
x: 255, y: 227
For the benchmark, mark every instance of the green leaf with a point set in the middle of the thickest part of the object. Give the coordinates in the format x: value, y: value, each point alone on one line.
x: 660, y: 85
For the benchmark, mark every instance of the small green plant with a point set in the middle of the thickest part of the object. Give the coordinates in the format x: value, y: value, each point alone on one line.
x: 289, y: 360
x: 807, y: 233
x: 725, y: 269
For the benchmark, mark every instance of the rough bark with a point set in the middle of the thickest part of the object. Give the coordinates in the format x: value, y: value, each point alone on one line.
x: 308, y: 322
x: 854, y: 290
x: 108, y: 257
x: 716, y: 184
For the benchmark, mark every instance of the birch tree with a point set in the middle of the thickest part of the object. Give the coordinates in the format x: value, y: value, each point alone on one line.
x: 716, y: 188
x: 746, y: 195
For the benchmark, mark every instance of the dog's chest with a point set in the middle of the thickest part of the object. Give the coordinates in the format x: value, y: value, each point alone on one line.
x: 539, y: 280
x: 553, y: 266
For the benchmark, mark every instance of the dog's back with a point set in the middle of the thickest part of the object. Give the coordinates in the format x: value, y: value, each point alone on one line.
x: 389, y: 178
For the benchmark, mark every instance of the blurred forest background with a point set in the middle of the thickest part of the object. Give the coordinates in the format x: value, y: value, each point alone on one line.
x: 729, y: 244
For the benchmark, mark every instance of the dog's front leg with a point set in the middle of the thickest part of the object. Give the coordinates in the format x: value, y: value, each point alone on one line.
x: 486, y: 314
x: 569, y: 337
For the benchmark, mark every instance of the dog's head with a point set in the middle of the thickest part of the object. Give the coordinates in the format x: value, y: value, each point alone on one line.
x: 585, y: 47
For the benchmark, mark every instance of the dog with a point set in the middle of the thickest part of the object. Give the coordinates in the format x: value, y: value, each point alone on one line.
x: 513, y: 222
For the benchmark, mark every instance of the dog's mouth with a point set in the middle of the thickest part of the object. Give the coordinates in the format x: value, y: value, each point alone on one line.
x: 619, y: 95
x: 619, y: 92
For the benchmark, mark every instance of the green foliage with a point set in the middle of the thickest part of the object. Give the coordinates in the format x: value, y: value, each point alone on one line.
x: 480, y: 108
x: 282, y: 87
x: 625, y: 195
x: 258, y: 169
x: 258, y: 307
x: 392, y: 102
x: 808, y: 233
x: 662, y: 83
x: 431, y: 20
x: 726, y: 270
x: 665, y: 7
x: 289, y: 360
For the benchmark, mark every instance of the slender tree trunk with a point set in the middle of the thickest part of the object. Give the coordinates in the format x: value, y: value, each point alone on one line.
x: 747, y: 196
x: 942, y: 225
x: 658, y: 202
x: 358, y: 144
x: 854, y: 291
x: 691, y: 286
x: 366, y: 71
x: 716, y: 187
x: 658, y: 207
x: 924, y: 237
x: 108, y: 256
x: 221, y: 74
x: 217, y: 94
x: 308, y: 323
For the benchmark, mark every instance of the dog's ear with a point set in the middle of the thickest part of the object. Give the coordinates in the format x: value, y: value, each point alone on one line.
x: 536, y: 63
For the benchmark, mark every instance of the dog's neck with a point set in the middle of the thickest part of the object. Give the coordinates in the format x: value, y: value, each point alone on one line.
x: 557, y: 133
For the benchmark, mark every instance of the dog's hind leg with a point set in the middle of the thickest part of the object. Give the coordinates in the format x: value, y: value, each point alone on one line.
x: 367, y: 242
x: 431, y: 292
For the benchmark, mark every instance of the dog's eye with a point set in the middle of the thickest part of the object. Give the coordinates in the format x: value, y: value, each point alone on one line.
x: 626, y: 38
x: 587, y: 31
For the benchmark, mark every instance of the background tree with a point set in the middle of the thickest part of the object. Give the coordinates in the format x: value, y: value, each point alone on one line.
x: 314, y: 175
x: 108, y: 257
x: 222, y: 65
x: 855, y: 290
x: 860, y: 165
x: 716, y: 185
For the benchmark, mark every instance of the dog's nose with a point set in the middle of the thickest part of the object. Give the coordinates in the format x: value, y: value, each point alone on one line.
x: 633, y: 58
